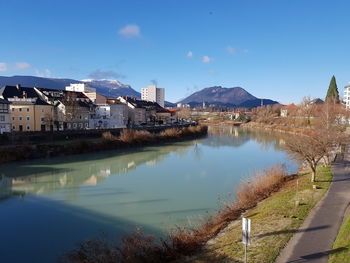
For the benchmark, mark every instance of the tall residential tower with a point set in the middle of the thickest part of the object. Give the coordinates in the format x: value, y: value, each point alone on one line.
x: 154, y: 94
x: 347, y: 97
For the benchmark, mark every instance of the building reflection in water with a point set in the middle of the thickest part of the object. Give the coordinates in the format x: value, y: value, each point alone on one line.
x: 89, y: 173
x: 88, y: 170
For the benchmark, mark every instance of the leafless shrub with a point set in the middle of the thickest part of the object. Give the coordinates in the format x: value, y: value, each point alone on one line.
x: 170, y: 133
x: 135, y: 136
x: 109, y: 136
x: 261, y: 186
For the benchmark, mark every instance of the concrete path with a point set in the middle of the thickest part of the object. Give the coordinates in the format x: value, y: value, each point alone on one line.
x: 314, y: 240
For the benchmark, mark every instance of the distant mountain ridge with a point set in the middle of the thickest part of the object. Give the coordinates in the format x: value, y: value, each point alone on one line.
x: 106, y: 87
x: 230, y: 97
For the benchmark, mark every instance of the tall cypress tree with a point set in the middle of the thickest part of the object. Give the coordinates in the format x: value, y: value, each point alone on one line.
x: 332, y: 93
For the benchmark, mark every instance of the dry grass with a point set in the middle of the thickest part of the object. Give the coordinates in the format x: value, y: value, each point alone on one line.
x: 181, y: 242
x: 260, y: 187
x: 170, y: 133
x: 108, y: 136
x: 135, y: 136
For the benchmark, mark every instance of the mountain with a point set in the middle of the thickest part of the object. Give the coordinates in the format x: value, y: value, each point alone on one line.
x: 231, y: 97
x: 109, y: 88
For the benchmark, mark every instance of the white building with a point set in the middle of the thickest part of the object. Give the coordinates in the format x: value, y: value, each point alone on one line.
x: 154, y: 94
x: 80, y: 87
x: 88, y: 91
x: 111, y: 115
x: 183, y: 105
x: 347, y: 96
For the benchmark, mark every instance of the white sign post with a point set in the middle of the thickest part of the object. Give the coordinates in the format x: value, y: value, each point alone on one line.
x: 245, y: 235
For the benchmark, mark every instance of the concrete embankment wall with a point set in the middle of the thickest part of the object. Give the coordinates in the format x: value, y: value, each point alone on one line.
x: 16, y: 138
x: 26, y: 151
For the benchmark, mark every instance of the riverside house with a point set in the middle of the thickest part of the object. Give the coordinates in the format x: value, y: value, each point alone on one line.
x: 5, y: 122
x: 110, y: 114
x: 72, y: 110
x: 145, y: 112
x: 136, y: 114
x: 28, y: 111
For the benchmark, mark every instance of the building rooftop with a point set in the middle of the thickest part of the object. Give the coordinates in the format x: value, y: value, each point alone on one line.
x: 21, y: 95
x: 143, y: 103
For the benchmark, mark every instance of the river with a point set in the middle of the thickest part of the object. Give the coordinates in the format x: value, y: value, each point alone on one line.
x: 48, y: 205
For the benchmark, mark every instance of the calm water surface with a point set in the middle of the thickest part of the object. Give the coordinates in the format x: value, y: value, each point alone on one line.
x: 46, y: 206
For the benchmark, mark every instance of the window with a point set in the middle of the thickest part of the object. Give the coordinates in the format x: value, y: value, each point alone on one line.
x: 80, y: 125
x: 2, y: 118
x: 4, y: 108
x: 74, y: 125
x: 42, y: 119
x: 27, y: 109
x: 13, y: 118
x: 19, y: 109
x: 13, y: 127
x: 42, y: 110
x: 13, y: 109
x: 28, y: 118
x: 86, y: 125
x: 20, y: 118
x: 28, y: 127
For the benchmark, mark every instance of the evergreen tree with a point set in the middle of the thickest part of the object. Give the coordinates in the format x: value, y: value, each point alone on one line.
x: 332, y: 93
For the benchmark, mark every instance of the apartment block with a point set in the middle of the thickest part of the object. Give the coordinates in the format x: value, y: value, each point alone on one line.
x: 153, y: 94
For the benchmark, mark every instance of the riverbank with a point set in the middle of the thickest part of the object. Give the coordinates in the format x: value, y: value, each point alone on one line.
x: 257, y: 125
x: 128, y: 138
x: 278, y: 128
x: 220, y: 122
x: 274, y: 221
x: 324, y: 222
x: 184, y: 242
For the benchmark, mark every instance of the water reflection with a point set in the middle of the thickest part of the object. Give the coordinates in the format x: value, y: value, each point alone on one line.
x: 236, y: 137
x: 45, y: 176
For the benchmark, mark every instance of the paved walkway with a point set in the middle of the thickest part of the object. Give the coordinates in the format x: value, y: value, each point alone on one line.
x: 314, y: 240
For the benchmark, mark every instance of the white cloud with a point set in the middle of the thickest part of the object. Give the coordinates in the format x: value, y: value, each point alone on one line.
x: 100, y: 74
x: 189, y: 54
x: 207, y: 59
x: 22, y: 65
x: 231, y: 50
x: 130, y: 31
x: 46, y: 73
x: 3, y: 66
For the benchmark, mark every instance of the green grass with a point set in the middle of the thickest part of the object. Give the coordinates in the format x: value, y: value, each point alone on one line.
x: 274, y: 222
x: 342, y: 245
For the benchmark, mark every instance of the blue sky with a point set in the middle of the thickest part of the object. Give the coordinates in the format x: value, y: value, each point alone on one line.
x: 282, y: 50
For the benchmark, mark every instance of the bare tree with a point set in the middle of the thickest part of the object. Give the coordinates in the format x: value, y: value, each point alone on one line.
x: 307, y: 110
x: 308, y: 148
x: 184, y: 113
x: 326, y: 136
